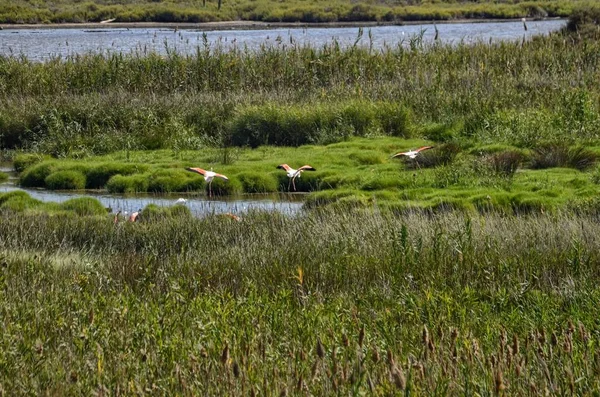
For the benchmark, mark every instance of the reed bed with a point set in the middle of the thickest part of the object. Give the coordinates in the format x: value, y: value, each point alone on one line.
x: 17, y: 12
x: 520, y: 93
x: 328, y: 302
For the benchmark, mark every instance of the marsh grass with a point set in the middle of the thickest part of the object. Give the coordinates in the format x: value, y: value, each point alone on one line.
x: 359, y: 168
x: 272, y: 11
x: 294, y: 94
x: 560, y: 155
x: 413, y: 301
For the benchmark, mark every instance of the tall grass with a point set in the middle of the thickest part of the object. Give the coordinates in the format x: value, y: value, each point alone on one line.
x: 214, y: 306
x: 515, y: 93
x: 21, y: 11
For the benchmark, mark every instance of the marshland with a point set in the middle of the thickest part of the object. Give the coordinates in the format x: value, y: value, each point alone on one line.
x: 471, y: 269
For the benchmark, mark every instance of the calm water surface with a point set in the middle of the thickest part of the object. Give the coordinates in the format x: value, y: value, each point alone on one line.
x: 198, y: 205
x: 43, y: 44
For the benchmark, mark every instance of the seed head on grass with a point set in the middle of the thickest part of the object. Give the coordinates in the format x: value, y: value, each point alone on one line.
x: 320, y: 349
x: 499, y: 385
x: 361, y: 336
x: 225, y: 355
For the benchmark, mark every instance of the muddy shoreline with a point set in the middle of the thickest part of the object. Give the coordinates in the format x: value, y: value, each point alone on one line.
x: 242, y: 25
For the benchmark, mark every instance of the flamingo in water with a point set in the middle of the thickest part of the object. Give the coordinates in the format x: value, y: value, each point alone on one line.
x: 293, y: 174
x: 208, y: 177
x: 412, y: 153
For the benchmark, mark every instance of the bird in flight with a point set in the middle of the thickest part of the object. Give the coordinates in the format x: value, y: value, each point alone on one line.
x: 180, y: 200
x: 208, y: 177
x: 293, y: 174
x: 412, y: 153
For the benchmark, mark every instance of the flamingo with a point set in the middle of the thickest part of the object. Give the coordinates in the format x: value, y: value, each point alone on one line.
x: 412, y: 153
x: 180, y: 200
x: 135, y: 216
x: 232, y: 216
x: 208, y: 177
x: 293, y: 174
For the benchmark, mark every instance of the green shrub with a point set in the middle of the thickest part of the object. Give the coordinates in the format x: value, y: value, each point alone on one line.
x: 584, y: 21
x: 84, y: 206
x: 256, y: 182
x: 221, y: 187
x: 378, y: 182
x: 317, y: 123
x: 180, y: 211
x: 98, y: 176
x: 18, y: 201
x: 153, y: 212
x: 65, y: 180
x: 505, y: 163
x: 439, y: 155
x: 174, y: 180
x: 26, y: 160
x: 36, y: 175
x: 3, y: 177
x: 367, y: 157
x: 327, y: 197
x: 442, y: 132
x: 559, y: 155
x: 128, y: 184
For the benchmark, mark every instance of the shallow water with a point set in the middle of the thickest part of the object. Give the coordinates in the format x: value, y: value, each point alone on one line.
x: 198, y: 205
x: 43, y: 44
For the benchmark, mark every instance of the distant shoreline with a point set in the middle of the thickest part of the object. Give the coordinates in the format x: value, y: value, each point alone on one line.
x: 251, y: 25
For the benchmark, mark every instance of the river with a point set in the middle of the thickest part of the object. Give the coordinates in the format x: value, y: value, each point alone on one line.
x: 44, y: 44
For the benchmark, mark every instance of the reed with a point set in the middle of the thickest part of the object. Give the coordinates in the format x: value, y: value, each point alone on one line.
x: 215, y: 306
x: 269, y: 11
x: 521, y: 94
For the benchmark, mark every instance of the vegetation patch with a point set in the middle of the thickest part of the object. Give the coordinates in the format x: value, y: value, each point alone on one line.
x: 65, y: 180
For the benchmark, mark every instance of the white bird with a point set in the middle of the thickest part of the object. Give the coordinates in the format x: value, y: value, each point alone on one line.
x: 180, y: 200
x: 208, y: 177
x: 293, y: 174
x: 412, y: 153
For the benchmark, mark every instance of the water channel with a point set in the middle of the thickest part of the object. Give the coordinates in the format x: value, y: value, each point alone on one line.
x: 198, y: 203
x: 44, y: 44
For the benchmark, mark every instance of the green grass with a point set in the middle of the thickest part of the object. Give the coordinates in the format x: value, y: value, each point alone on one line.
x: 517, y: 94
x: 368, y: 302
x: 271, y: 11
x: 356, y: 172
x: 473, y: 273
x: 21, y: 202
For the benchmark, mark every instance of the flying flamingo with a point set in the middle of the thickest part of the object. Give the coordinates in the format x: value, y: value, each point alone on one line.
x: 208, y: 177
x: 412, y: 153
x: 293, y: 174
x: 181, y: 201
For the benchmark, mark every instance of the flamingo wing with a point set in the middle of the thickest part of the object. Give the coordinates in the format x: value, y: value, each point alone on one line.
x: 284, y: 167
x: 198, y: 170
x: 423, y: 148
x: 221, y: 176
x: 400, y: 154
x: 306, y: 168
